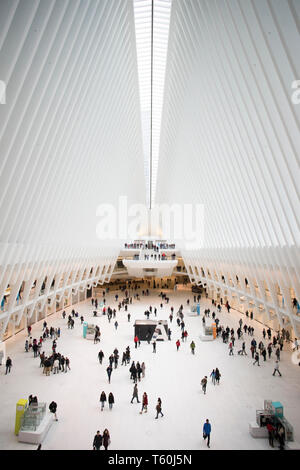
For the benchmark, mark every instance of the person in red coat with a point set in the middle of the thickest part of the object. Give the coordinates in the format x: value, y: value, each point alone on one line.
x: 177, y: 344
x: 136, y: 340
x: 145, y: 403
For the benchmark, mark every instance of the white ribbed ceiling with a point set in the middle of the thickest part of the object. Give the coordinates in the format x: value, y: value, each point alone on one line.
x: 230, y: 140
x: 74, y: 133
x: 70, y: 133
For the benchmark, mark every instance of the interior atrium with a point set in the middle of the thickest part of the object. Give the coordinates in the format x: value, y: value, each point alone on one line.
x: 149, y: 157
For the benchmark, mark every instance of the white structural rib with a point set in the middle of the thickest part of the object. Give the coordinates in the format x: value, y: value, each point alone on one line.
x: 151, y: 72
x: 230, y: 140
x: 70, y: 140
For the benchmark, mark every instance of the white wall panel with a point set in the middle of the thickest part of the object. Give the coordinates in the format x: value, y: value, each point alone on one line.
x: 230, y: 140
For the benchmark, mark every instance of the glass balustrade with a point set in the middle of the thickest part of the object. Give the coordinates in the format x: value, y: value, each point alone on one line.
x: 33, y: 416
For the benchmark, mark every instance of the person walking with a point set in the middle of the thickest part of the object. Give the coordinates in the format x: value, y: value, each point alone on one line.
x: 276, y: 368
x: 111, y: 400
x: 56, y: 366
x: 281, y: 437
x: 102, y: 400
x: 271, y: 432
x: 8, y: 365
x: 192, y: 346
x: 109, y: 371
x: 207, y: 432
x: 269, y: 349
x: 136, y: 340
x: 144, y: 403
x: 124, y: 361
x: 256, y: 359
x: 158, y: 409
x: 154, y: 346
x: 53, y: 409
x: 138, y: 371
x: 100, y: 356
x: 230, y: 347
x: 135, y: 394
x: 97, y: 442
x: 218, y: 376
x: 143, y: 369
x: 213, y: 376
x: 204, y: 383
x: 106, y: 438
x: 67, y: 364
x: 177, y: 344
x: 116, y: 325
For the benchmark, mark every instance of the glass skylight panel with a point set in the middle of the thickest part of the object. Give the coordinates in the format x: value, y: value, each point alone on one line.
x: 143, y: 30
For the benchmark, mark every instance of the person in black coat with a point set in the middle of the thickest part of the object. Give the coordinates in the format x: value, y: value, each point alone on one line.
x: 138, y: 371
x: 131, y: 370
x: 106, y: 438
x: 100, y: 356
x: 8, y: 365
x: 102, y: 400
x: 111, y: 400
x: 109, y: 371
x: 217, y: 375
x: 53, y: 408
x: 97, y: 443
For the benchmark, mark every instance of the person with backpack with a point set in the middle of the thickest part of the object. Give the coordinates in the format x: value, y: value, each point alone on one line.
x: 53, y: 408
x: 97, y: 443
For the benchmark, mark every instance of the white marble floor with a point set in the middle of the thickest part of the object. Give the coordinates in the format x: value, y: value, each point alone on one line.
x: 173, y: 376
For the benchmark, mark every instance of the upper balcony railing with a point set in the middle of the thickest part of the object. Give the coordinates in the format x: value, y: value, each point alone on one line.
x: 155, y: 245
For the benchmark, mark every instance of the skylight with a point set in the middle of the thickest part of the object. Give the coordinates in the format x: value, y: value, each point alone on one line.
x: 152, y: 45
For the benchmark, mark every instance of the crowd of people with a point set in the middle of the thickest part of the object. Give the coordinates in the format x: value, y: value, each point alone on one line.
x: 56, y: 362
